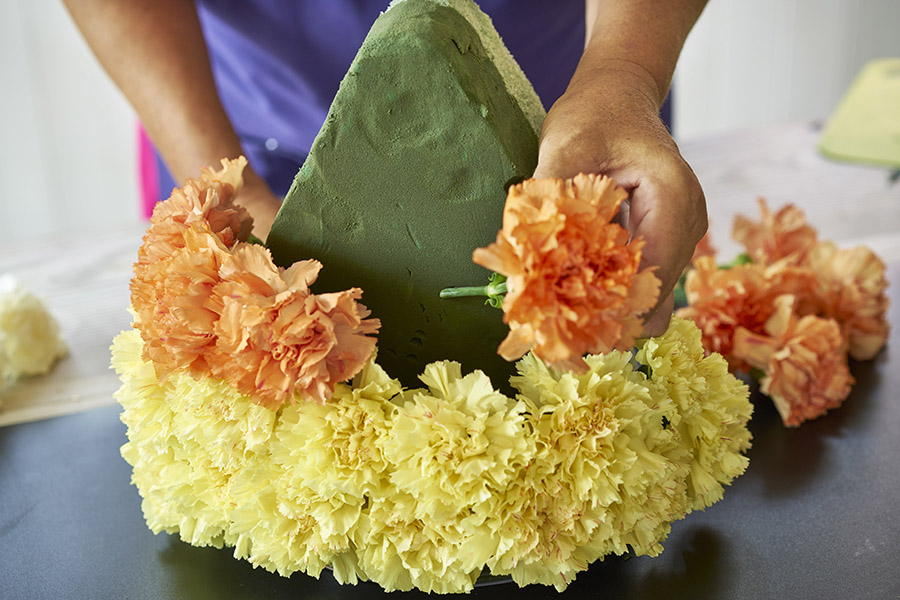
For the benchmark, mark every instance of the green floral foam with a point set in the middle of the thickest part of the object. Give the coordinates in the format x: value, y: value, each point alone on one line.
x: 408, y: 176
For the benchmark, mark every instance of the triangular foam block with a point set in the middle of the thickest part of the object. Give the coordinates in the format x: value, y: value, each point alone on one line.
x: 408, y: 175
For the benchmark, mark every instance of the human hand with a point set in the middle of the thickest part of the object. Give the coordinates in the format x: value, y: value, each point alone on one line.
x: 607, y: 122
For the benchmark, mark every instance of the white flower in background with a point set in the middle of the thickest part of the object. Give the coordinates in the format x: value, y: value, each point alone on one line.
x: 30, y: 341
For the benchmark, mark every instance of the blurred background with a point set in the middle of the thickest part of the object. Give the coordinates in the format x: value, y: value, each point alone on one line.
x: 68, y: 149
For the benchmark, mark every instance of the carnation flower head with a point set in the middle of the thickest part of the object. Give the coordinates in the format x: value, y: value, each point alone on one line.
x: 184, y: 479
x: 785, y: 234
x: 211, y: 304
x: 847, y: 285
x: 573, y: 279
x: 208, y: 199
x: 274, y: 338
x: 184, y: 245
x: 169, y: 300
x: 720, y: 300
x: 713, y: 407
x: 212, y: 415
x: 453, y: 448
x: 400, y: 552
x: 272, y: 528
x: 30, y: 340
x: 335, y: 448
x: 606, y: 474
x: 851, y: 290
x: 804, y: 360
x: 455, y: 444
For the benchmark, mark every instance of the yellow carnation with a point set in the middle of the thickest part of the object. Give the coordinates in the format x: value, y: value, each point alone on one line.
x: 273, y: 528
x: 187, y: 440
x: 452, y: 448
x: 400, y: 552
x: 30, y: 341
x: 713, y: 407
x: 181, y: 490
x: 334, y: 449
x: 326, y: 460
x: 456, y: 444
x: 598, y: 483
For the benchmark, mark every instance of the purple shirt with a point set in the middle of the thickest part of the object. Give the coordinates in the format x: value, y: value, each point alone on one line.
x: 278, y: 64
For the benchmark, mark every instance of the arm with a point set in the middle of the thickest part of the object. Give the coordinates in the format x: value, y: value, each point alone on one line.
x: 155, y: 53
x: 607, y: 122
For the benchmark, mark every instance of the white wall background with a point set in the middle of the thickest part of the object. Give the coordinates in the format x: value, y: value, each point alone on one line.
x: 66, y: 134
x: 756, y: 62
x: 67, y: 151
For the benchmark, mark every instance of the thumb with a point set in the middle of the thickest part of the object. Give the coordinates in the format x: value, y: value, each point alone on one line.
x: 657, y: 321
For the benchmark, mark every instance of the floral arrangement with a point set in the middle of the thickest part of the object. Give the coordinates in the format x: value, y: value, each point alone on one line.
x: 30, y: 340
x: 258, y: 417
x: 793, y: 309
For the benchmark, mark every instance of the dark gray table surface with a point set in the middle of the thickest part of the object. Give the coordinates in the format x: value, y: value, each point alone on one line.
x: 815, y: 516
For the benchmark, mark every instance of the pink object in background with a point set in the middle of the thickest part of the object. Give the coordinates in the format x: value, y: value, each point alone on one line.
x: 147, y: 172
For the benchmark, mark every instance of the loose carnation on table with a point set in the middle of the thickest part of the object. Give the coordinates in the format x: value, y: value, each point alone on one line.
x: 30, y: 339
x: 795, y: 310
x: 258, y: 416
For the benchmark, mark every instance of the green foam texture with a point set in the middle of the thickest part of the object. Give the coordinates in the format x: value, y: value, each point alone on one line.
x: 407, y: 177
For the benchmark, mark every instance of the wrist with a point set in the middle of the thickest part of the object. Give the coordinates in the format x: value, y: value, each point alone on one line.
x: 611, y: 78
x: 607, y: 114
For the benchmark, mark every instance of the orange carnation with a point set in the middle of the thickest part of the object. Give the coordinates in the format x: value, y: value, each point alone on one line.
x: 784, y: 234
x: 804, y: 360
x: 275, y: 338
x: 796, y: 312
x: 209, y: 199
x: 721, y: 300
x: 573, y: 285
x: 211, y: 305
x: 852, y: 291
x: 168, y: 297
x: 206, y: 203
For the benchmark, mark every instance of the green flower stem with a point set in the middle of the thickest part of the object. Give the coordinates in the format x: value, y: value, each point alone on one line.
x: 459, y: 292
x: 741, y: 259
x: 494, y: 291
x: 757, y: 374
x: 484, y: 290
x: 680, y: 294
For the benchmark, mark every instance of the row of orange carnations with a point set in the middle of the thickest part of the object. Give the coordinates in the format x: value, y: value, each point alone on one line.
x: 796, y: 311
x: 208, y: 302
